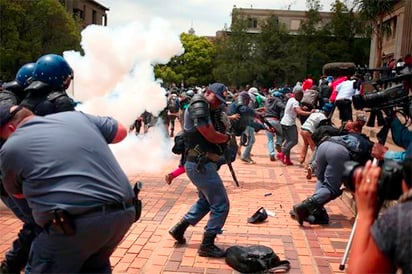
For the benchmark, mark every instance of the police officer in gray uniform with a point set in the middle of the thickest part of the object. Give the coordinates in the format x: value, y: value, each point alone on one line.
x: 204, y: 144
x: 16, y: 257
x: 83, y: 200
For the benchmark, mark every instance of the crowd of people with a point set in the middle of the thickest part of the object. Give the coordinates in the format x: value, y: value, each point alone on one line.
x: 76, y: 209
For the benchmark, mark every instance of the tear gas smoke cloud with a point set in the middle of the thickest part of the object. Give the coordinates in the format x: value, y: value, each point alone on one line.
x: 115, y: 77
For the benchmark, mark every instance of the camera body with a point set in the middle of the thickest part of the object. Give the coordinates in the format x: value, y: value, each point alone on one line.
x: 389, y: 182
x: 394, y: 98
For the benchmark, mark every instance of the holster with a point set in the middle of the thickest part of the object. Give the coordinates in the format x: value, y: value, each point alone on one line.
x: 63, y: 222
x: 137, y: 203
x: 201, y: 158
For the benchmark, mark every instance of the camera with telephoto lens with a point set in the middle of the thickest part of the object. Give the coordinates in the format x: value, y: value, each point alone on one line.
x: 389, y: 182
x: 395, y: 96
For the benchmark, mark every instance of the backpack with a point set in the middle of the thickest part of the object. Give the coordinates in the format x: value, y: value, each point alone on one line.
x: 179, y: 145
x: 254, y: 258
x: 238, y: 126
x: 173, y: 104
x: 310, y: 97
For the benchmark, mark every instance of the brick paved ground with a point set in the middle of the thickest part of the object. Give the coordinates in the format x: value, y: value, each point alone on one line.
x: 148, y: 248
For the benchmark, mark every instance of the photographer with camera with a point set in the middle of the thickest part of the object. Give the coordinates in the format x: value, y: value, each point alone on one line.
x: 385, y: 244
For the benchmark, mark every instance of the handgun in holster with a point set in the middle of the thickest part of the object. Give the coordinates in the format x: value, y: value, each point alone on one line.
x: 201, y: 162
x: 137, y: 203
x: 63, y: 222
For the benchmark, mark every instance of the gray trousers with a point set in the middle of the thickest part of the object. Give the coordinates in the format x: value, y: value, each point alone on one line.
x: 330, y: 160
x: 290, y: 134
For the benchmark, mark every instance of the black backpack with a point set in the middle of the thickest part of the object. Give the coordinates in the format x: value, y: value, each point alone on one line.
x: 238, y: 126
x: 173, y: 104
x: 179, y: 145
x: 255, y: 258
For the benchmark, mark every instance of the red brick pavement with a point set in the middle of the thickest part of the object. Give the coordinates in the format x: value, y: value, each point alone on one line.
x: 148, y: 248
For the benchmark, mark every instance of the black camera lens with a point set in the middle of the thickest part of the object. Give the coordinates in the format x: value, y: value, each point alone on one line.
x: 389, y: 182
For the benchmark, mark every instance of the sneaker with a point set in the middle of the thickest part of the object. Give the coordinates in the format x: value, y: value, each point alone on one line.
x: 280, y: 156
x: 272, y: 158
x: 309, y: 173
x: 287, y: 161
x: 169, y: 178
x: 248, y: 160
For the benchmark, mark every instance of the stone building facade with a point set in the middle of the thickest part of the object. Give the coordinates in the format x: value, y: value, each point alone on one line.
x: 89, y: 11
x: 399, y: 43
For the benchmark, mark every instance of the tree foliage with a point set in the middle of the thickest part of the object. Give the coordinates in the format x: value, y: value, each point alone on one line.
x: 194, y: 66
x: 30, y: 29
x: 235, y: 60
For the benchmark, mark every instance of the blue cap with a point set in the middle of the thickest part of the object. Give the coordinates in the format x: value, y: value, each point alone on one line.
x: 219, y: 90
x: 327, y: 107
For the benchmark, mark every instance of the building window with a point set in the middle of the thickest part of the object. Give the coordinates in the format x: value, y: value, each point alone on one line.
x: 294, y: 24
x: 94, y: 17
x: 78, y: 13
x: 394, y: 23
x: 252, y: 23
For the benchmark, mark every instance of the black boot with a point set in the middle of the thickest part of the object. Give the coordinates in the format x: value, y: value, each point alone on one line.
x: 208, y: 249
x: 178, y: 230
x: 319, y: 217
x: 304, y: 209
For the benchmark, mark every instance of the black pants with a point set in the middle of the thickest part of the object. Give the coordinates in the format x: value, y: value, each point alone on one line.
x: 345, y: 109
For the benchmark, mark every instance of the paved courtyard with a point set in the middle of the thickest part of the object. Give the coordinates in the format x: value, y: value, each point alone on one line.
x: 148, y: 248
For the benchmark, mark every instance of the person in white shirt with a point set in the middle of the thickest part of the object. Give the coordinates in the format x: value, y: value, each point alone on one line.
x: 289, y: 129
x: 345, y: 91
x: 307, y: 129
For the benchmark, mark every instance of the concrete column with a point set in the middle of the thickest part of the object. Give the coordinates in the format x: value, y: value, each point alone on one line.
x: 406, y: 46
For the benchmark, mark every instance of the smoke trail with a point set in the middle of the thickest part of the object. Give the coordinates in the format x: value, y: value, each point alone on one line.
x: 115, y: 77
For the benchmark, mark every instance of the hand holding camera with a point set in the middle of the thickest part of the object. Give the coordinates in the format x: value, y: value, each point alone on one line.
x: 366, y: 181
x: 378, y: 151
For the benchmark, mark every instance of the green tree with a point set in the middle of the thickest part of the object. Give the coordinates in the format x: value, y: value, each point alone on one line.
x: 348, y: 41
x: 278, y: 60
x: 194, y: 66
x: 311, y: 39
x: 235, y: 60
x: 30, y: 29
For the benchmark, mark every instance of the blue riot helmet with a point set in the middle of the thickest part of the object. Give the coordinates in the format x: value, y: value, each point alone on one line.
x: 24, y: 75
x: 53, y: 70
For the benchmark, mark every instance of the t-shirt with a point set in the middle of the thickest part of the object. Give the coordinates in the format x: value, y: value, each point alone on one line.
x: 65, y: 162
x: 312, y: 122
x: 289, y: 118
x: 345, y: 90
x: 392, y: 232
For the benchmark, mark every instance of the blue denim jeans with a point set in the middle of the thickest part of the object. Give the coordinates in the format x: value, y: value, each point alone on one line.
x: 270, y: 135
x: 250, y: 132
x: 212, y: 197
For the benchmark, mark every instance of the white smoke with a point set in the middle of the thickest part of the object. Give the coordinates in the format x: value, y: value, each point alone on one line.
x: 115, y: 77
